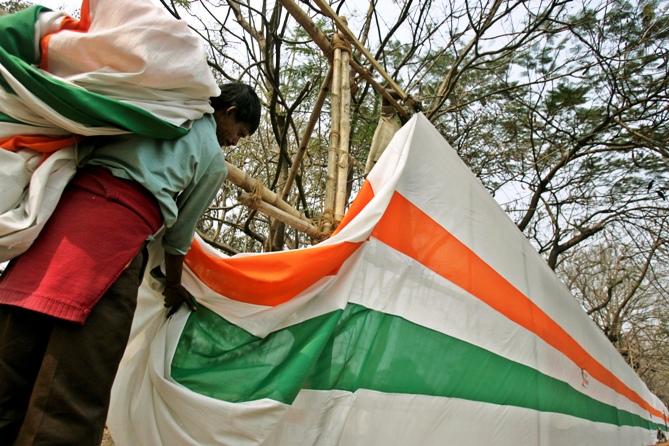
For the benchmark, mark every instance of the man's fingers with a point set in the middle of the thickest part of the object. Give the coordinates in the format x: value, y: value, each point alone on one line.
x: 173, y: 309
x: 190, y: 301
x: 176, y: 296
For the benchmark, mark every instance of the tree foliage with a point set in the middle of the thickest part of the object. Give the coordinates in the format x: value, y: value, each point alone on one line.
x: 12, y: 6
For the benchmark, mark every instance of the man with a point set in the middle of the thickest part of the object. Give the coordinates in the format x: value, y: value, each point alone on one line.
x: 66, y: 305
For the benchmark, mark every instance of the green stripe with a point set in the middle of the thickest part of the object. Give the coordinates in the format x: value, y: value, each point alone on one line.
x: 211, y: 349
x: 17, y: 33
x: 85, y: 107
x: 360, y: 348
x: 7, y: 118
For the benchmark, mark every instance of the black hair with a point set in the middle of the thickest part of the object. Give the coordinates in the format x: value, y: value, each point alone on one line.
x: 243, y: 97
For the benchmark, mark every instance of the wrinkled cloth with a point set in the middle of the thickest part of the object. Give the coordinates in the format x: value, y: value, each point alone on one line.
x: 31, y: 187
x: 124, y: 67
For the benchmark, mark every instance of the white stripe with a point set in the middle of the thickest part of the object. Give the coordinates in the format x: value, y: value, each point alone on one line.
x: 31, y: 187
x: 13, y: 106
x: 459, y: 203
x: 9, y: 129
x: 393, y: 283
x: 367, y: 418
x: 382, y: 279
x: 125, y: 46
x: 175, y: 107
x: 328, y: 294
x: 46, y: 23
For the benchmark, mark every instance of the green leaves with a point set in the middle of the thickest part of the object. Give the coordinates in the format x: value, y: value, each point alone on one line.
x: 565, y: 97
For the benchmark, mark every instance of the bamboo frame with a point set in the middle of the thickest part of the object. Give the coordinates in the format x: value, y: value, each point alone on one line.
x: 262, y: 199
x: 239, y: 178
x: 344, y: 136
x: 335, y: 112
x: 271, y: 211
x: 322, y: 41
x: 343, y: 27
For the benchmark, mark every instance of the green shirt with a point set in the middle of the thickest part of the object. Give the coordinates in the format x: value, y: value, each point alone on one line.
x: 183, y: 174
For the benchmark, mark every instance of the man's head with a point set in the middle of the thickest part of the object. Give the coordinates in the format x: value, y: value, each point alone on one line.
x: 237, y: 113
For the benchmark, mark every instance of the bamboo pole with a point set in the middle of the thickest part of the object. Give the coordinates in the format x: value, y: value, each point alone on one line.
x: 278, y: 214
x: 322, y: 41
x: 344, y: 136
x: 343, y: 27
x: 306, y: 135
x: 335, y: 112
x: 239, y: 178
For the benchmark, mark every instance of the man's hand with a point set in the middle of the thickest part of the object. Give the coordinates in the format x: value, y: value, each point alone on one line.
x: 175, y: 295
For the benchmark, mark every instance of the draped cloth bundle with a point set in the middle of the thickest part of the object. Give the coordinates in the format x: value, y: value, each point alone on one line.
x: 123, y: 67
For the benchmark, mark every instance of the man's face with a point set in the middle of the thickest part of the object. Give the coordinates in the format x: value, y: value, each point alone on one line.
x: 228, y: 130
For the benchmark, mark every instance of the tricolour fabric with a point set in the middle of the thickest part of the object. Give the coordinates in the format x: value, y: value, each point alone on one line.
x: 124, y: 67
x: 427, y: 318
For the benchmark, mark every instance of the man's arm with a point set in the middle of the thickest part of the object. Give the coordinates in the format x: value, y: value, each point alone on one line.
x: 192, y: 202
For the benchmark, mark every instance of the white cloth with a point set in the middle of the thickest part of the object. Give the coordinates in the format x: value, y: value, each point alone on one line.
x: 151, y: 406
x: 134, y: 52
x: 31, y: 186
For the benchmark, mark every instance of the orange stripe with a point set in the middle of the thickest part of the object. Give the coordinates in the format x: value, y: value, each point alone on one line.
x: 70, y: 24
x: 38, y: 143
x: 364, y: 197
x: 275, y: 278
x: 434, y: 247
x: 269, y: 279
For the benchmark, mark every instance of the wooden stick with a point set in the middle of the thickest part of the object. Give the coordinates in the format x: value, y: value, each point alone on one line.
x: 335, y: 112
x: 309, y: 26
x: 344, y: 136
x: 322, y: 41
x: 343, y: 27
x: 278, y: 214
x: 306, y: 135
x: 239, y: 178
x: 367, y: 75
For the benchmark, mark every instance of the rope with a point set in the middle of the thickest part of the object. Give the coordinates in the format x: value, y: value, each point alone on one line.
x: 340, y: 42
x: 256, y: 190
